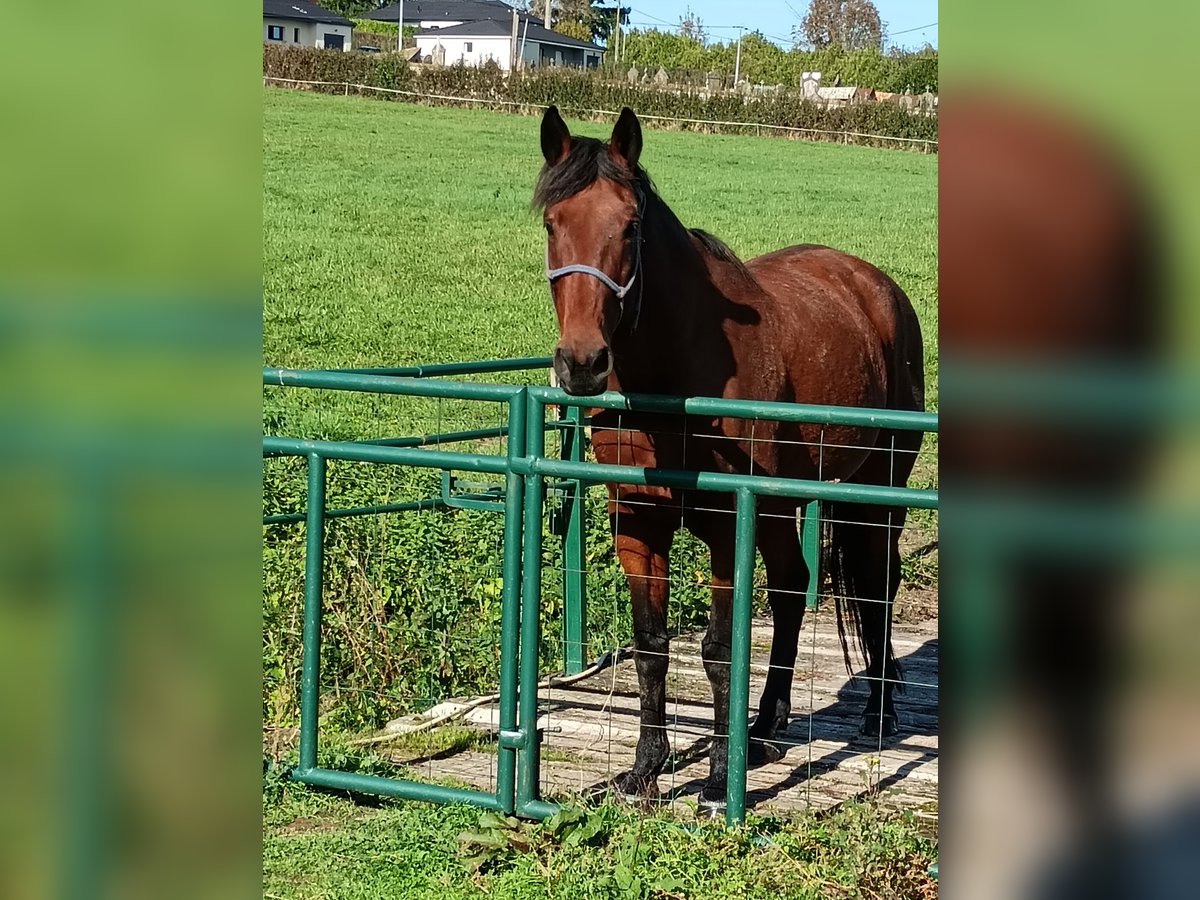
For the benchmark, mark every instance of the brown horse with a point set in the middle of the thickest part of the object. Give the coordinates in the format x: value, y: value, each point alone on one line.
x: 647, y: 305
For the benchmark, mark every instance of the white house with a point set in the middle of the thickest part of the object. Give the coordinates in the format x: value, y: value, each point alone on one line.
x: 474, y: 43
x: 426, y: 14
x: 297, y: 23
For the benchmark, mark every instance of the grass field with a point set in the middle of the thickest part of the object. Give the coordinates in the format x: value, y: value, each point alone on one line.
x: 320, y: 847
x: 396, y: 234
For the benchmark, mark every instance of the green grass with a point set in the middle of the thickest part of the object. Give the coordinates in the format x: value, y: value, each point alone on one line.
x: 322, y: 846
x: 398, y: 234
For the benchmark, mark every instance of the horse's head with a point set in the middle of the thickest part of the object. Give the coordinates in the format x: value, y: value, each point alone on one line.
x: 589, y: 192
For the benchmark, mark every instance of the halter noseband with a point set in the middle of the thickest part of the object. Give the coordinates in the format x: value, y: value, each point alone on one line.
x: 620, y: 290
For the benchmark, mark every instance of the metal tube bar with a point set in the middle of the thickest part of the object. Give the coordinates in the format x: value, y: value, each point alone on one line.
x: 386, y: 384
x: 574, y: 623
x: 444, y: 370
x: 810, y: 550
x: 449, y: 437
x: 538, y: 809
x: 314, y: 551
x: 904, y: 420
x: 761, y: 485
x: 739, y: 658
x: 396, y: 456
x: 531, y: 592
x: 510, y: 605
x: 410, y: 506
x: 393, y: 787
x: 370, y: 381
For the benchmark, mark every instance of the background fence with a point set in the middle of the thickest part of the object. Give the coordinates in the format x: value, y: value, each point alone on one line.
x: 708, y: 125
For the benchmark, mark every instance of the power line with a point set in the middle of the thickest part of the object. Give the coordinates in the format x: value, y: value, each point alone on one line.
x: 907, y: 30
x: 648, y: 16
x: 746, y: 29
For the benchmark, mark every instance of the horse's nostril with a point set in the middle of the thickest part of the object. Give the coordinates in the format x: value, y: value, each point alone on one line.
x: 600, y: 362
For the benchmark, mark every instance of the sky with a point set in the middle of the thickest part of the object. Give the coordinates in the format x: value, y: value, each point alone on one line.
x: 775, y: 19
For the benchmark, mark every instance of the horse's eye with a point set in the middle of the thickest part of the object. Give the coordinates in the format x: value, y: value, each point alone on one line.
x: 549, y: 228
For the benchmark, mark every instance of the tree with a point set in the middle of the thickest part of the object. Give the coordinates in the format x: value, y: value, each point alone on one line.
x: 691, y: 27
x: 587, y: 20
x: 845, y: 24
x: 351, y: 9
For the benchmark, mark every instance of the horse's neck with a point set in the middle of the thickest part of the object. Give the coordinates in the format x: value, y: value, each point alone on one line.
x: 680, y: 313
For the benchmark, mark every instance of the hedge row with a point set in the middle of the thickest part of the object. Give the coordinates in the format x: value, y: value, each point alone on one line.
x: 766, y: 63
x: 577, y: 91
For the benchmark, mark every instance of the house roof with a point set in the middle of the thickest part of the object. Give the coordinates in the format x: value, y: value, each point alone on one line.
x: 539, y: 34
x: 301, y: 11
x: 445, y: 11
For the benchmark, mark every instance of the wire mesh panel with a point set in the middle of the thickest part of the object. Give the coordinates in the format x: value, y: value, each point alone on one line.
x: 431, y: 559
x: 402, y: 669
x: 825, y: 748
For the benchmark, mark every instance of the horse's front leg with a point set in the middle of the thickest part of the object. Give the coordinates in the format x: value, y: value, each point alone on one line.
x: 643, y: 551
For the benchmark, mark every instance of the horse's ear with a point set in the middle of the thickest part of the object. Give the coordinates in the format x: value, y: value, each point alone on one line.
x: 556, y: 140
x: 625, y: 145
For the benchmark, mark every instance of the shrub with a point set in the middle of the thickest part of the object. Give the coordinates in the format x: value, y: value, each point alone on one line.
x: 579, y: 91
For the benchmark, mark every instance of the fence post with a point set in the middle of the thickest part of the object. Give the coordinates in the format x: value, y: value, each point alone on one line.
x: 310, y: 670
x: 739, y: 659
x: 574, y: 623
x: 810, y: 549
x: 528, y: 761
x: 510, y: 601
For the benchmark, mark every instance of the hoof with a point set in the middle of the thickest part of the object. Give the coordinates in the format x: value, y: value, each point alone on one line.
x: 635, y: 788
x: 761, y: 752
x: 876, y: 726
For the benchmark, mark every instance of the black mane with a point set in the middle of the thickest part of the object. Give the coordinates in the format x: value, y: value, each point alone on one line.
x: 586, y: 163
x: 718, y: 248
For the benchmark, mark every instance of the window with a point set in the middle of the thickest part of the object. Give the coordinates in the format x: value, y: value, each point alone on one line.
x: 275, y: 32
x: 296, y: 35
x: 467, y: 46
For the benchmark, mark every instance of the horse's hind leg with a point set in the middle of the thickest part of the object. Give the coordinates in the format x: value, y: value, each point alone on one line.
x: 875, y: 612
x: 787, y: 576
x: 865, y: 570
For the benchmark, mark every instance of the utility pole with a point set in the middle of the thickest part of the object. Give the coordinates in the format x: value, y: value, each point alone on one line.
x: 400, y: 36
x: 547, y: 13
x: 737, y: 63
x: 512, y: 53
x: 617, y: 37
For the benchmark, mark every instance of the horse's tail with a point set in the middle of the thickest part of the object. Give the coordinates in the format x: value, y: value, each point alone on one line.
x: 846, y: 555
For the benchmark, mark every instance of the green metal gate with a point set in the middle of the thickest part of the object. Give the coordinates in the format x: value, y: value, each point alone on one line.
x: 527, y: 470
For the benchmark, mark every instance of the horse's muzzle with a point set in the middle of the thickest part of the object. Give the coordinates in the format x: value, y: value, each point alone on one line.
x: 584, y: 375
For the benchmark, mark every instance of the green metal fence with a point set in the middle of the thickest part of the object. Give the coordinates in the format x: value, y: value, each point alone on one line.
x: 528, y: 471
